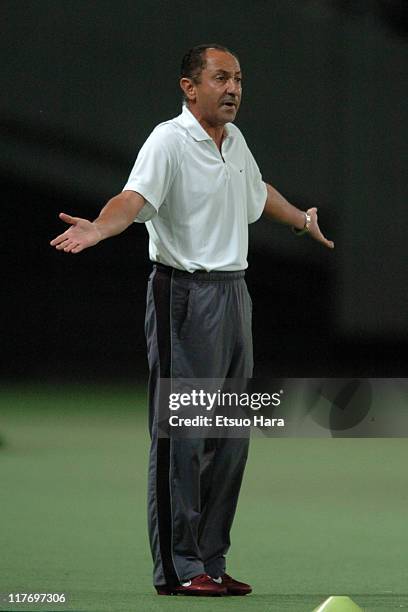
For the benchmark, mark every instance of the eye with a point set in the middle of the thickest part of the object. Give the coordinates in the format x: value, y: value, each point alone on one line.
x: 220, y: 77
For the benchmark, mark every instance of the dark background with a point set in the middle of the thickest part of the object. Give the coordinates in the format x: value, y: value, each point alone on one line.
x: 325, y: 114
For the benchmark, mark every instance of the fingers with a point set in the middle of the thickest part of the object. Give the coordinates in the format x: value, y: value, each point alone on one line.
x: 319, y: 236
x: 66, y: 242
x: 58, y: 240
x: 69, y: 246
x: 328, y: 243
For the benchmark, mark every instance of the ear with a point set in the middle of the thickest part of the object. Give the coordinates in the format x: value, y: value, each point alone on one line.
x: 188, y: 88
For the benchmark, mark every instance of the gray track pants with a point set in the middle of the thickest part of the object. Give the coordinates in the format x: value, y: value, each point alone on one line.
x: 197, y: 326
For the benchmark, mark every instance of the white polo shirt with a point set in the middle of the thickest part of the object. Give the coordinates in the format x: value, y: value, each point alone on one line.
x: 198, y: 201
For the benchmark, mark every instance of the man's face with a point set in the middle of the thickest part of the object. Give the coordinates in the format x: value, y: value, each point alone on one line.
x: 216, y: 98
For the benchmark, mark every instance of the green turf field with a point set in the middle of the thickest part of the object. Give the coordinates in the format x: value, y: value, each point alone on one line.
x: 316, y: 517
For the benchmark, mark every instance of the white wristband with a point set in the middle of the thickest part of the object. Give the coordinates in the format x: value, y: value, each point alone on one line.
x: 300, y: 232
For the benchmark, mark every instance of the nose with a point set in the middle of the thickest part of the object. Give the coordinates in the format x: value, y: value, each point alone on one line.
x: 233, y: 86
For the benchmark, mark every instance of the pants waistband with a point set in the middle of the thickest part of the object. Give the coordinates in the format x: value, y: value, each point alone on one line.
x: 200, y: 275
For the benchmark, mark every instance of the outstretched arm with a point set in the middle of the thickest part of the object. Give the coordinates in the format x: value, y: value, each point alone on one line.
x: 114, y: 217
x: 280, y: 210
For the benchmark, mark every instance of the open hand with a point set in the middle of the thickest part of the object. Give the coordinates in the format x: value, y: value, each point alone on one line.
x: 81, y: 235
x: 314, y: 229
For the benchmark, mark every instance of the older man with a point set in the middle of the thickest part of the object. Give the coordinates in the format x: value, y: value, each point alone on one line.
x: 197, y: 187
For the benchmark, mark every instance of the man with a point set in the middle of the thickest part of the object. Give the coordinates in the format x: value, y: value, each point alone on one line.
x: 197, y: 187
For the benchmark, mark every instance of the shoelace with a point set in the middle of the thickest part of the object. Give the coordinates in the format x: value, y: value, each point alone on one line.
x: 198, y: 579
x: 202, y: 578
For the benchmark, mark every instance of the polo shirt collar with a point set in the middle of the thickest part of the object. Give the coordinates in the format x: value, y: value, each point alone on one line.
x: 193, y: 126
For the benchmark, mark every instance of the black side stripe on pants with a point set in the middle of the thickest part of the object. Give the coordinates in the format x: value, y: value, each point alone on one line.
x: 162, y: 297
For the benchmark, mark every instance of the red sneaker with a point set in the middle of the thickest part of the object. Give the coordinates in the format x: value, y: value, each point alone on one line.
x: 202, y: 585
x: 234, y: 587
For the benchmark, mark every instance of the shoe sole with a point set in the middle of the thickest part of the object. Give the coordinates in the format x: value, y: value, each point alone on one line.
x: 190, y: 593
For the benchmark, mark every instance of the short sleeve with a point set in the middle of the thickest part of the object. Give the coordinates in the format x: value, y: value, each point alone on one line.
x: 256, y: 188
x: 154, y: 170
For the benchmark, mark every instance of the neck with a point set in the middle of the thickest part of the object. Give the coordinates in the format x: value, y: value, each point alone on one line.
x: 215, y: 131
